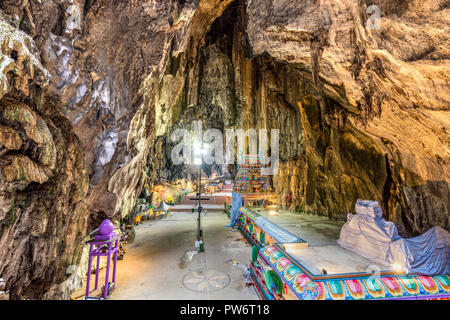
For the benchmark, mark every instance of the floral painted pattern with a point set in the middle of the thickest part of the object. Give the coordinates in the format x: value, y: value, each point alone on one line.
x: 364, y: 287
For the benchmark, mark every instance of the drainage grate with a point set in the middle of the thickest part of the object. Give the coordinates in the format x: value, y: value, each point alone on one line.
x: 201, y: 281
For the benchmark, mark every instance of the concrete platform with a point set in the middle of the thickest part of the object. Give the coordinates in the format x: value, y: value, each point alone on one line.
x: 321, y: 235
x: 332, y: 258
x: 316, y: 230
x: 158, y: 264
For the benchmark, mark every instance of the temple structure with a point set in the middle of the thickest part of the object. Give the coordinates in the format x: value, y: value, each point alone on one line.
x: 250, y: 182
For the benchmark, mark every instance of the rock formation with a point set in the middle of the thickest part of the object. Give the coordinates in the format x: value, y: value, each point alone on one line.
x: 91, y: 90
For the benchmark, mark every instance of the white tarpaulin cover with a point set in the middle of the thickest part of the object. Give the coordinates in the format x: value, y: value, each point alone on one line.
x: 162, y: 207
x: 376, y: 239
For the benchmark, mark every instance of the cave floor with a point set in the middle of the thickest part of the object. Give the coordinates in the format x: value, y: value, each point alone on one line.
x: 158, y: 265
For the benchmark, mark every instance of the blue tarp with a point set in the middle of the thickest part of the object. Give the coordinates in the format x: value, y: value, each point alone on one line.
x: 376, y: 239
x: 427, y: 254
x: 236, y: 204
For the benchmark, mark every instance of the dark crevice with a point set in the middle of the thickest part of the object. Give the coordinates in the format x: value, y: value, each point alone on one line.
x: 222, y: 30
x: 387, y: 190
x: 14, y: 55
x: 58, y: 29
x: 87, y: 5
x: 421, y: 55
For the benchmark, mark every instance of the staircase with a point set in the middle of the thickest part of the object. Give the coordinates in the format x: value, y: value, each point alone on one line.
x: 215, y: 202
x: 215, y: 198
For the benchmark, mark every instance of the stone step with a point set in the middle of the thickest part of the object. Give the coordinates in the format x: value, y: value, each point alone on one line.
x: 188, y: 208
x: 218, y: 199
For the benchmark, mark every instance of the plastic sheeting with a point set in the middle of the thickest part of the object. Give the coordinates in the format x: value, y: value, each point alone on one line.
x: 376, y: 239
x: 236, y: 204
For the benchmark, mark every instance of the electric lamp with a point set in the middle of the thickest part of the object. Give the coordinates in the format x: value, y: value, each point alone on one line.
x: 397, y: 267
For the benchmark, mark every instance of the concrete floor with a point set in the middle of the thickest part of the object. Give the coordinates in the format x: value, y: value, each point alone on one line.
x: 156, y: 265
x: 158, y: 260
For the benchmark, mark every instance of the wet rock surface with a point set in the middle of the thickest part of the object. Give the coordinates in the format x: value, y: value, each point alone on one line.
x: 90, y: 92
x: 43, y: 188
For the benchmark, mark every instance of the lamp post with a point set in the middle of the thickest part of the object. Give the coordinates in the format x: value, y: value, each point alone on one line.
x: 198, y: 156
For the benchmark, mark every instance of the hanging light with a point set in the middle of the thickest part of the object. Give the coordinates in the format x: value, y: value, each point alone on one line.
x: 197, y: 146
x: 199, y: 151
x: 397, y: 267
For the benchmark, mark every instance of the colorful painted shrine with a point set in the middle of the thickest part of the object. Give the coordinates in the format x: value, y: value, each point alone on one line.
x: 162, y: 208
x: 285, y: 267
x: 300, y: 283
x: 249, y: 180
x: 139, y: 215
